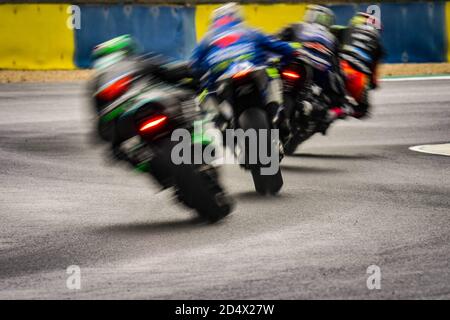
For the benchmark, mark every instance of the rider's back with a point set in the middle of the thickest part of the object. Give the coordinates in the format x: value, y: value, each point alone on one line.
x: 361, y: 47
x: 318, y: 43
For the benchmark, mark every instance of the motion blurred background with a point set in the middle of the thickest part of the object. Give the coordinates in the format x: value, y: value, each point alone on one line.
x: 35, y: 34
x: 351, y: 199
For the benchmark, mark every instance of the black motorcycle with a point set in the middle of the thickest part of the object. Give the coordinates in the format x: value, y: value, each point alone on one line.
x: 242, y: 89
x: 305, y: 104
x: 139, y: 103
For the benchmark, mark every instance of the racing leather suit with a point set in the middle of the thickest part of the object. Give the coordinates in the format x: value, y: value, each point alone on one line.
x: 360, y: 51
x: 361, y: 46
x: 235, y: 42
x: 320, y: 47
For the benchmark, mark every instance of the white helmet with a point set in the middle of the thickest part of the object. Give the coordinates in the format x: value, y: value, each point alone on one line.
x: 319, y: 14
x: 230, y: 12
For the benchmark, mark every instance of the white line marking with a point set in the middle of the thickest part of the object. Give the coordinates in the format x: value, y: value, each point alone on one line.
x: 439, y: 149
x: 416, y: 78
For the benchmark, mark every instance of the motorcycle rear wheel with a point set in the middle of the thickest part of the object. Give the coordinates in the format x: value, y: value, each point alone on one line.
x: 196, y: 185
x: 254, y: 118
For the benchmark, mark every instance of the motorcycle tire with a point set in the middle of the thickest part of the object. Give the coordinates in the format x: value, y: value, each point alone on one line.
x: 198, y: 187
x: 254, y: 118
x: 292, y: 145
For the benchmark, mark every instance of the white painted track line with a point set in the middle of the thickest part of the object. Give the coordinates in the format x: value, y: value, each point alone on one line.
x: 439, y: 149
x: 424, y: 78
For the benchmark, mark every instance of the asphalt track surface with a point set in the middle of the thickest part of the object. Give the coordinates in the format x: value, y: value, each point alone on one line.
x: 354, y: 198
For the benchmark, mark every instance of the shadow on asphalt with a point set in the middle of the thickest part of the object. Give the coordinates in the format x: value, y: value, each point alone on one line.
x: 78, y: 247
x: 255, y: 196
x: 334, y: 156
x: 155, y: 227
x: 310, y: 170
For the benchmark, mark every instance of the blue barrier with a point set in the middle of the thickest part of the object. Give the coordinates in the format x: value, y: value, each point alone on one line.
x: 413, y: 32
x: 344, y: 12
x: 164, y: 29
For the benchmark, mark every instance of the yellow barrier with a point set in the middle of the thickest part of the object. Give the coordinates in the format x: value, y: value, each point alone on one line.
x: 270, y: 18
x: 35, y: 36
x: 447, y: 23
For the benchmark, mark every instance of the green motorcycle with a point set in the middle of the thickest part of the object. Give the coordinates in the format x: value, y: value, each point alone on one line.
x: 140, y: 101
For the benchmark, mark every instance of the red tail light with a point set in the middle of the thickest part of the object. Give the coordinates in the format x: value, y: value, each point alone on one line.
x: 241, y: 74
x: 153, y: 123
x: 115, y: 89
x: 290, y: 74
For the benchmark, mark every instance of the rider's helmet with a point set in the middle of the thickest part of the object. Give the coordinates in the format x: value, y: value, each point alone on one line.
x: 365, y: 19
x: 229, y: 13
x: 320, y: 15
x: 124, y: 44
